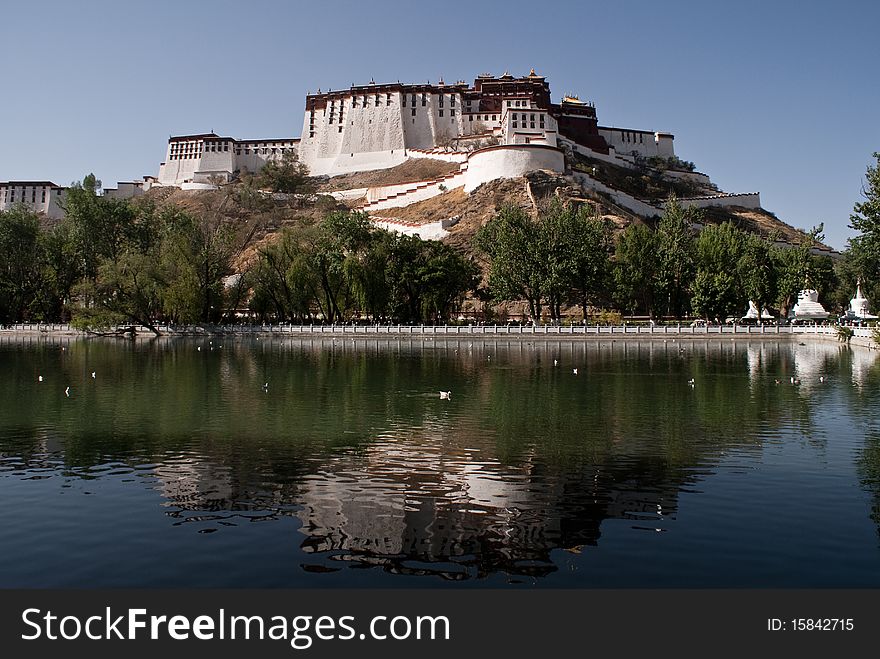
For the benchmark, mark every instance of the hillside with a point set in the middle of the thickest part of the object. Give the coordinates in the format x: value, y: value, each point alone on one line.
x: 256, y: 222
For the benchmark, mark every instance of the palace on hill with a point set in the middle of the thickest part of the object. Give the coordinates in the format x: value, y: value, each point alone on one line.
x: 496, y: 127
x: 376, y: 126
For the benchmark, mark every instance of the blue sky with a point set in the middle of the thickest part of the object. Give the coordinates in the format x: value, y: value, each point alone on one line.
x: 777, y: 97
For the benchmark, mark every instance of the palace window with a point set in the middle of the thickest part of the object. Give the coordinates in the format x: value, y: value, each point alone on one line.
x: 387, y: 99
x: 470, y: 117
x: 424, y: 100
x: 441, y: 112
x: 413, y: 112
x: 440, y: 100
x: 452, y: 100
x: 413, y: 99
x: 377, y: 100
x: 452, y: 112
x: 340, y: 129
x: 514, y: 124
x: 403, y: 100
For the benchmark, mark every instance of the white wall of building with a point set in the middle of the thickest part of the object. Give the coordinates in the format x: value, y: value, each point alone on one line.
x: 125, y: 190
x: 743, y: 200
x: 510, y: 161
x: 196, y: 159
x: 644, y: 143
x: 39, y: 196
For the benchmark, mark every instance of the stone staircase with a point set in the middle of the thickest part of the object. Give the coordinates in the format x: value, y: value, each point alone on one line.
x: 404, y: 194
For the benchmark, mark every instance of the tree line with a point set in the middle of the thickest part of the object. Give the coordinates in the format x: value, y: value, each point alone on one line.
x: 111, y: 261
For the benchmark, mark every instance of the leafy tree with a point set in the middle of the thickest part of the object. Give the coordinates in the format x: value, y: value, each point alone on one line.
x: 286, y: 174
x: 797, y: 268
x: 636, y: 268
x: 592, y: 244
x: 756, y: 271
x: 675, y: 259
x: 518, y: 266
x: 20, y: 256
x: 427, y: 279
x: 283, y: 279
x: 864, y: 249
x: 195, y: 257
x: 717, y: 289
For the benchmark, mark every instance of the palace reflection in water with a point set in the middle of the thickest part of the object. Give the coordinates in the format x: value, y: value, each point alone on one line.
x: 351, y: 443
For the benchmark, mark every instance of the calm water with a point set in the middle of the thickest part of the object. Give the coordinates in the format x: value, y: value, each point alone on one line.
x: 173, y: 466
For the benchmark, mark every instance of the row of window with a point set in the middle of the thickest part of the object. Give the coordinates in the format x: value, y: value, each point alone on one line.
x: 9, y: 197
x: 627, y: 136
x: 263, y: 151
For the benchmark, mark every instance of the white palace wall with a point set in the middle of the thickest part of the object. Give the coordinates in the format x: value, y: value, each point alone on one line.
x: 645, y: 143
x: 370, y: 136
x: 510, y: 161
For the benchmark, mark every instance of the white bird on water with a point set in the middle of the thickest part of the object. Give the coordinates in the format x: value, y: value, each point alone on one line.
x: 821, y: 378
x: 692, y: 382
x: 67, y: 392
x: 93, y: 375
x: 39, y: 378
x: 555, y: 362
x: 266, y: 387
x: 574, y: 371
x: 445, y: 395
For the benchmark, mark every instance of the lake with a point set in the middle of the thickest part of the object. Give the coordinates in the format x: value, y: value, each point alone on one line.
x: 302, y: 462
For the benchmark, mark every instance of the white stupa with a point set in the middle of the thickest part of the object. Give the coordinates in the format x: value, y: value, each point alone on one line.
x: 808, y: 307
x: 752, y: 313
x: 858, y: 306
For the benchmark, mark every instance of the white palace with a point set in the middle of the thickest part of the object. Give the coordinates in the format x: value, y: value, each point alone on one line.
x: 497, y: 127
x: 376, y: 126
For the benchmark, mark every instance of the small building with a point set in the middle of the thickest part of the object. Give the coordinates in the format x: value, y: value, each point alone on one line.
x: 808, y: 307
x: 199, y: 161
x: 752, y: 313
x: 858, y: 307
x: 42, y: 197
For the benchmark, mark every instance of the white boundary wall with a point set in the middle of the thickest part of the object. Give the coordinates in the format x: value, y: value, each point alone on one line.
x: 744, y: 200
x: 510, y: 161
x: 637, y: 206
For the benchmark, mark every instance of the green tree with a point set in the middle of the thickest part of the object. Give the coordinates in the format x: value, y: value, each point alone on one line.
x: 636, y: 268
x: 589, y: 265
x: 864, y: 249
x: 518, y: 264
x: 287, y: 175
x: 100, y: 228
x: 798, y: 268
x: 20, y: 257
x: 757, y: 272
x: 195, y: 257
x: 717, y: 288
x: 675, y: 260
x: 283, y: 279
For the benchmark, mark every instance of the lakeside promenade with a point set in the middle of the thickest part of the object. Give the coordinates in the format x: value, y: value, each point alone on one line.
x: 861, y: 336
